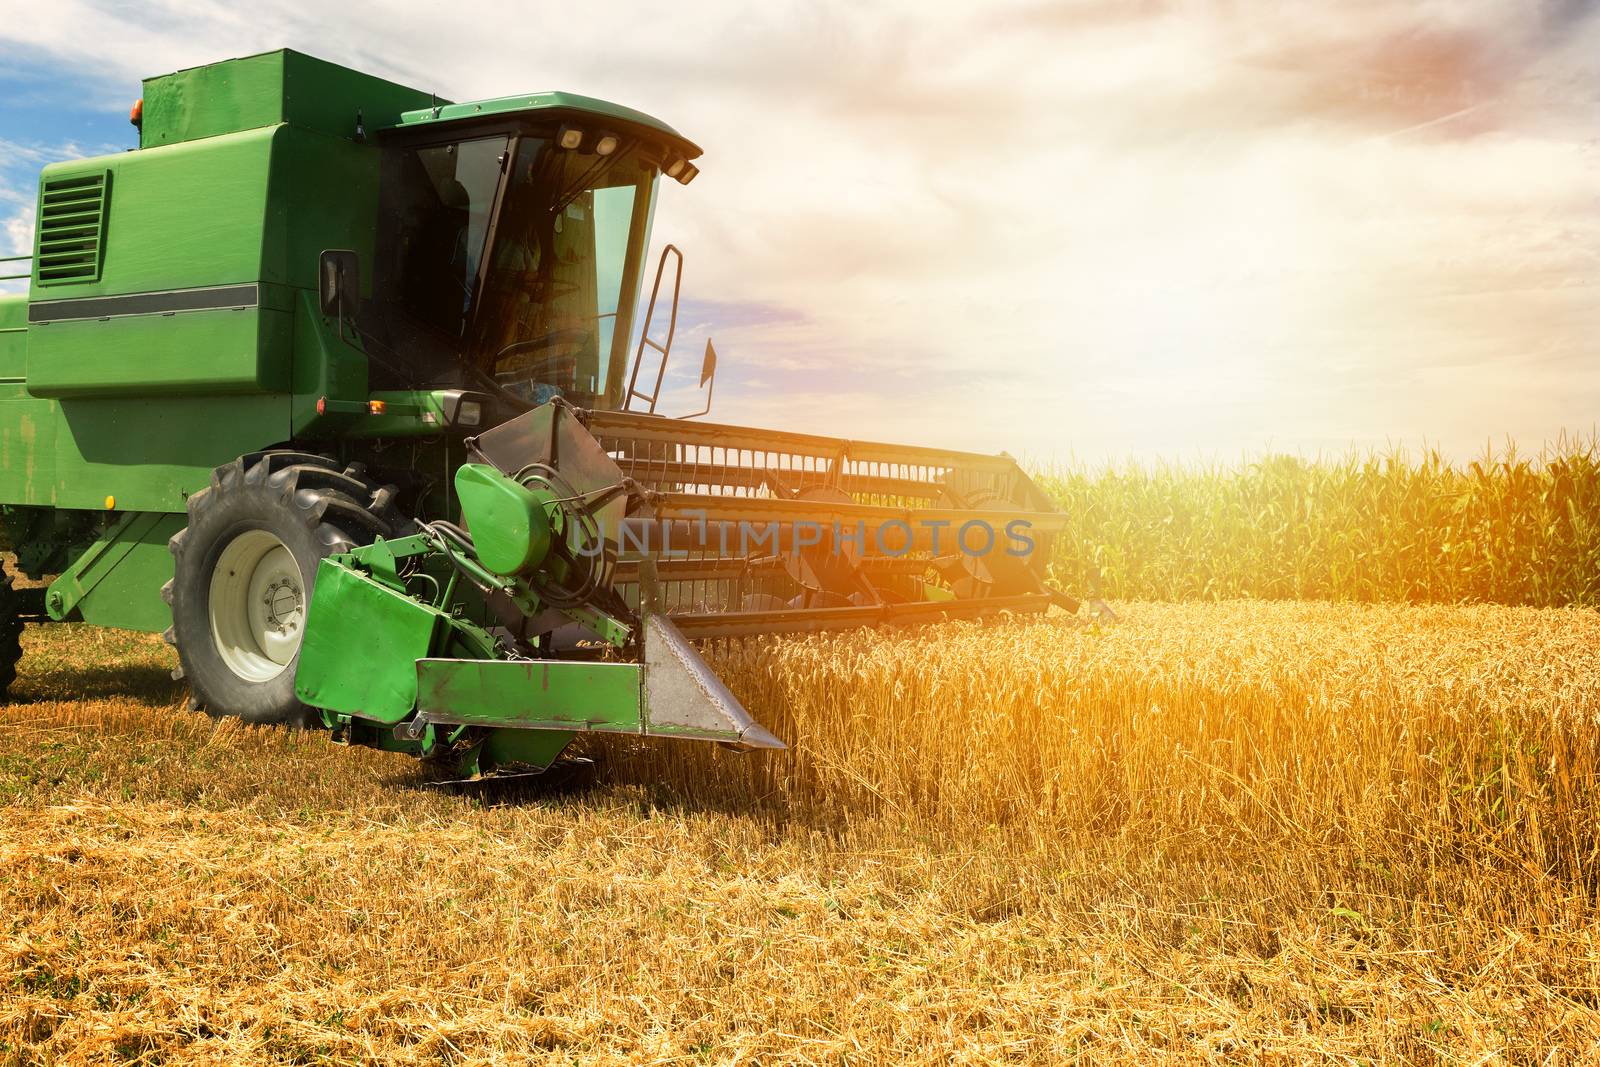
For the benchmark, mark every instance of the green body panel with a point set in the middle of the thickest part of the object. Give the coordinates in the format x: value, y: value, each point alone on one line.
x: 28, y: 461
x: 362, y: 642
x: 251, y: 208
x: 507, y: 521
x: 325, y: 365
x: 323, y: 194
x: 108, y: 584
x: 180, y: 217
x: 13, y: 338
x: 532, y: 695
x: 266, y: 90
x: 255, y: 206
x: 249, y: 169
x: 143, y: 355
x: 148, y: 454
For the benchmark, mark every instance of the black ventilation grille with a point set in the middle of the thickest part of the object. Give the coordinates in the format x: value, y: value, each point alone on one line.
x: 72, y: 217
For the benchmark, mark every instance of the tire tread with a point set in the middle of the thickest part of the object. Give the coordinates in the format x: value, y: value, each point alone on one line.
x: 336, y: 503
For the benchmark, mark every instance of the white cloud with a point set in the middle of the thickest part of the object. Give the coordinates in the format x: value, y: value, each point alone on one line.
x: 1094, y: 226
x: 16, y: 230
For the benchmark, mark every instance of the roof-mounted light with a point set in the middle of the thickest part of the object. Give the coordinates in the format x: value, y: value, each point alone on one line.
x: 674, y: 166
x: 687, y: 174
x: 570, y: 137
x: 606, y: 145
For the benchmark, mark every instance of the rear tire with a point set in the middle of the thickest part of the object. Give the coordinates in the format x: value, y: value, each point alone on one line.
x: 10, y: 634
x: 243, y: 571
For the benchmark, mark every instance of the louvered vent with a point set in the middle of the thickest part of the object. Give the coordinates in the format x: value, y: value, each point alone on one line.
x: 72, y: 217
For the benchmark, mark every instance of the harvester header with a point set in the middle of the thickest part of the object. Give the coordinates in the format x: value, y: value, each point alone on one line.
x: 351, y: 392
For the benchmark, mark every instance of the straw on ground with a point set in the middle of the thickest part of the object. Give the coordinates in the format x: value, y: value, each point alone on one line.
x: 1211, y: 833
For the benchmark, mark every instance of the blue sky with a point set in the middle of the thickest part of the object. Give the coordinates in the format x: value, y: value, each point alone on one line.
x: 48, y: 99
x: 1085, y: 228
x: 46, y: 117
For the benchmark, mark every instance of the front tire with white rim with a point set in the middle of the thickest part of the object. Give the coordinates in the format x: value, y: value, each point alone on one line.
x: 243, y: 572
x: 257, y: 605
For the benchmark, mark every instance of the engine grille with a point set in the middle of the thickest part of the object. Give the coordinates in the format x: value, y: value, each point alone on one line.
x: 72, y: 213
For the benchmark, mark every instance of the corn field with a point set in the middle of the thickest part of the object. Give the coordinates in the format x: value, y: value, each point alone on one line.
x: 1505, y: 529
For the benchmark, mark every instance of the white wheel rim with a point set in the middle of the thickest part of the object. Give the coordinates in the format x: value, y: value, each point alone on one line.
x: 258, y: 606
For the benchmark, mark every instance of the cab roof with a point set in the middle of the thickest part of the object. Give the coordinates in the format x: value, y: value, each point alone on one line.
x: 550, y: 104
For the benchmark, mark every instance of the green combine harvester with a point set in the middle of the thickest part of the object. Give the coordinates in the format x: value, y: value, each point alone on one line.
x: 344, y: 388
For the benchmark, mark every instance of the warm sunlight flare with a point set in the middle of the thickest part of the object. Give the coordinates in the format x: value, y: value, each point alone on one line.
x: 921, y: 532
x: 1093, y: 229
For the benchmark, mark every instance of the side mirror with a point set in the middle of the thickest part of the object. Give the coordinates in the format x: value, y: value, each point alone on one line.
x: 339, y: 281
x: 708, y: 379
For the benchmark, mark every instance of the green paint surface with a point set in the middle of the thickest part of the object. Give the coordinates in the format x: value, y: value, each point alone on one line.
x: 506, y: 520
x: 179, y: 217
x: 265, y: 90
x: 361, y: 645
x: 532, y: 695
x: 148, y: 453
x: 13, y: 337
x: 537, y: 103
x: 247, y: 351
x: 115, y: 586
x: 533, y: 748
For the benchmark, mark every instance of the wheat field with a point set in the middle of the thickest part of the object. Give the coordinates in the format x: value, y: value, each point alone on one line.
x: 1230, y: 832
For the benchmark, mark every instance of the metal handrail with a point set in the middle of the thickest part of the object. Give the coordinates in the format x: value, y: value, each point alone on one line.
x: 16, y: 259
x: 644, y: 335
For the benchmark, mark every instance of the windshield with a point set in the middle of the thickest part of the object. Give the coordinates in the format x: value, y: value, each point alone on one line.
x: 562, y: 273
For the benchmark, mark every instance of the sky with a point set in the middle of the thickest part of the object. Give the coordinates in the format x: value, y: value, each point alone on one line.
x: 1085, y: 230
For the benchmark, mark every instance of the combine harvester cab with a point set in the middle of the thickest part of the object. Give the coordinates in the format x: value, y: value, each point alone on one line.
x: 358, y: 440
